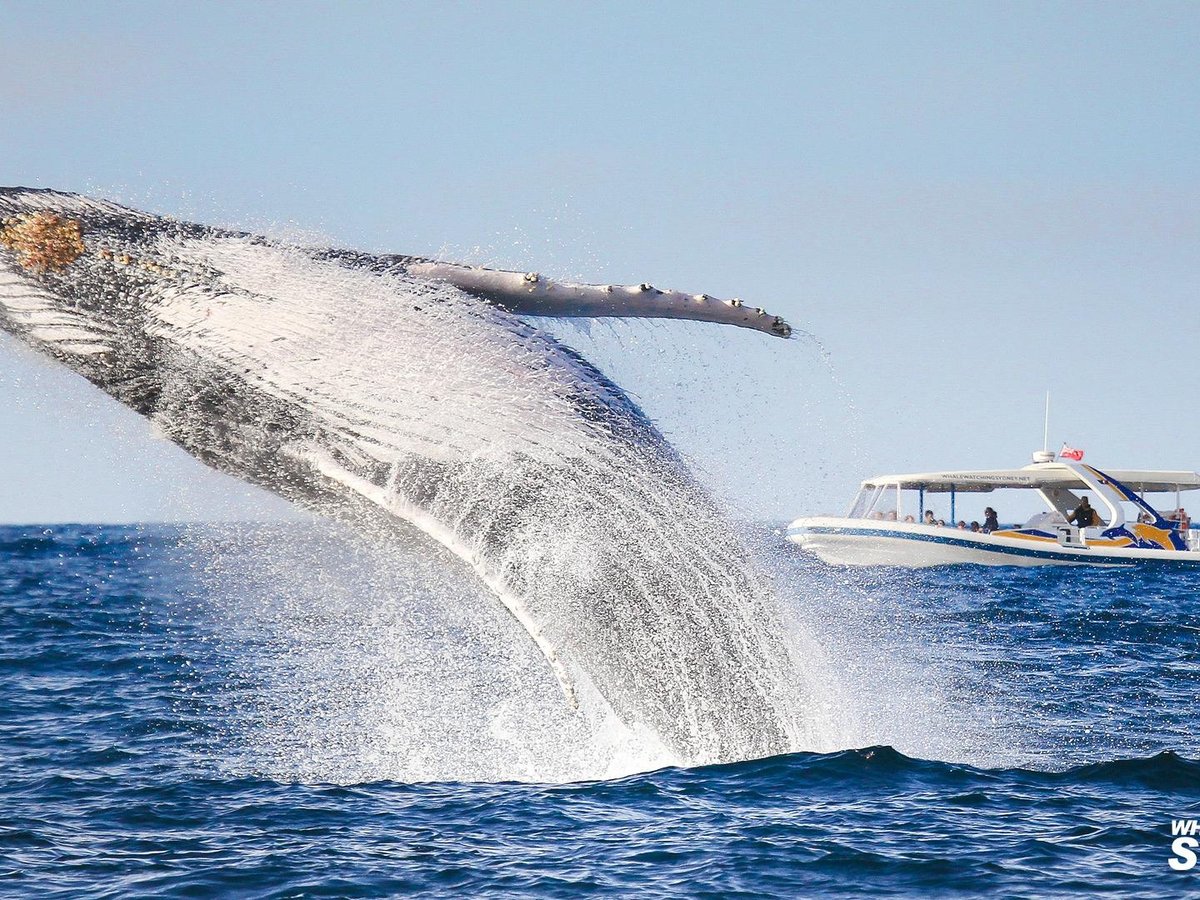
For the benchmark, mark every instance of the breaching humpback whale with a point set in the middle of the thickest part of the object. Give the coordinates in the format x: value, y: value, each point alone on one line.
x: 385, y: 389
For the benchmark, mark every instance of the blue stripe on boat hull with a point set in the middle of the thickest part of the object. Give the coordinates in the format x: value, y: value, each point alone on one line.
x: 1084, y: 556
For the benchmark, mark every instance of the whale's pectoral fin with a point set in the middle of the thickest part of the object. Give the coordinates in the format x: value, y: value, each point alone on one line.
x: 530, y: 294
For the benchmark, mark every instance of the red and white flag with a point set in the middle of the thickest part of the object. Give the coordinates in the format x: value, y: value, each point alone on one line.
x: 1070, y: 453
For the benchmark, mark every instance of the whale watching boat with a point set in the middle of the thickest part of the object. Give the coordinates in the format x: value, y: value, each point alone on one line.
x: 888, y: 523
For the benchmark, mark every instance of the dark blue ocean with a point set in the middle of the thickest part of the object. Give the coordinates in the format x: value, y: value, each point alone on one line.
x: 169, y: 726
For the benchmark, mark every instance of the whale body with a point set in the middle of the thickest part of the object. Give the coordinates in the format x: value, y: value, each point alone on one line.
x: 396, y: 392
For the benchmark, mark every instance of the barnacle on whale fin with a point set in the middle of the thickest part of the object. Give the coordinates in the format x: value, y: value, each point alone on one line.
x: 42, y: 241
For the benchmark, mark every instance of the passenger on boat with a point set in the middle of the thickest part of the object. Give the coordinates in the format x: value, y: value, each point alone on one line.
x: 929, y: 519
x: 990, y: 521
x: 975, y: 526
x: 910, y: 519
x: 1084, y: 516
x: 942, y: 522
x: 962, y: 526
x: 1180, y: 515
x: 890, y: 515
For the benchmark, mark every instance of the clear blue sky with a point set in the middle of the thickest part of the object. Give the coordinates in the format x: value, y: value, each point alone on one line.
x: 967, y: 203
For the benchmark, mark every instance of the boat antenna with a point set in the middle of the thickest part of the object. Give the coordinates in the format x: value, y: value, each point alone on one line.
x: 1046, y: 427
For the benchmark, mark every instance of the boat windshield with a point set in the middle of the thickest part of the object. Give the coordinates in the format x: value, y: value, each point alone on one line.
x: 1045, y: 520
x: 864, y: 502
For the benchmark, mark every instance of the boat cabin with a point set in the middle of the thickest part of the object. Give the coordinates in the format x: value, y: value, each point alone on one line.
x: 1125, y: 515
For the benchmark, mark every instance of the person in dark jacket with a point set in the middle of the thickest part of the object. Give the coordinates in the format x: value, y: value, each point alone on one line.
x: 1084, y: 516
x: 990, y: 522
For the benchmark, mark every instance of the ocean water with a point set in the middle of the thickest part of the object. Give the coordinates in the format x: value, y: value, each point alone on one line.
x: 191, y: 711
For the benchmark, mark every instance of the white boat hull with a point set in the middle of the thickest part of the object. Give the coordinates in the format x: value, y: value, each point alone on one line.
x: 854, y: 542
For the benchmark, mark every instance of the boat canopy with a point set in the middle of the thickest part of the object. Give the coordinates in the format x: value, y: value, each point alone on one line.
x: 1036, y: 476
